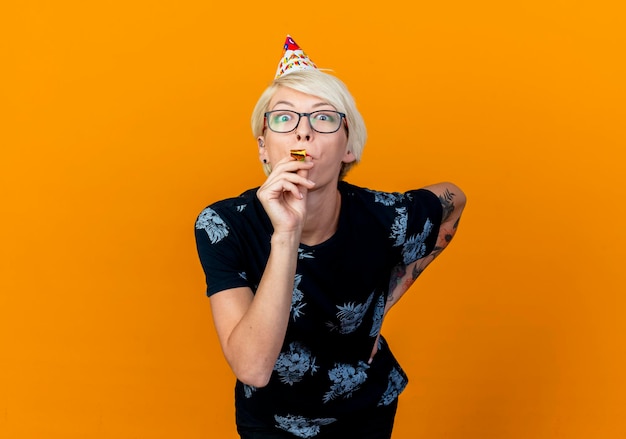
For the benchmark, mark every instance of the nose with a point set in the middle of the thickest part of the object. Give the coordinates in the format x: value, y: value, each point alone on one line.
x: 303, y: 129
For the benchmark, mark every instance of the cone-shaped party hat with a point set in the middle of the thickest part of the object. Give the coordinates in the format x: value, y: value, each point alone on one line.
x: 293, y: 59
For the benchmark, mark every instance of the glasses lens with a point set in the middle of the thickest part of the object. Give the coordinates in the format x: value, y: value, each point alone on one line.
x: 325, y: 121
x: 285, y: 121
x: 282, y: 121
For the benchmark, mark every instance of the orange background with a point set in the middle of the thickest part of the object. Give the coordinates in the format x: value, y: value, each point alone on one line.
x: 120, y: 121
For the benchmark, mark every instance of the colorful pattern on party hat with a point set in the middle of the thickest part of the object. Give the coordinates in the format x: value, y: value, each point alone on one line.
x: 293, y: 59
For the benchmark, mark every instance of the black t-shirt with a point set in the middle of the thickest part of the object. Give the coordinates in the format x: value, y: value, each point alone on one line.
x: 339, y: 295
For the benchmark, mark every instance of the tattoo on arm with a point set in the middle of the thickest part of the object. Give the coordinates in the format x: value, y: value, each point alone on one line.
x: 397, y: 274
x: 417, y: 270
x: 436, y: 251
x: 447, y: 204
x: 449, y: 234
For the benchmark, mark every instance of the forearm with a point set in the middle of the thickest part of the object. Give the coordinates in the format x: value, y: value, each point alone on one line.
x: 403, y: 277
x: 255, y: 342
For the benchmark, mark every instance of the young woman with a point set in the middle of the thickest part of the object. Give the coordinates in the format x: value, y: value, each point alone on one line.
x: 302, y: 270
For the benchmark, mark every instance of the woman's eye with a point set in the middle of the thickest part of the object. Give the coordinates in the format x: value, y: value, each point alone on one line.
x: 323, y: 117
x: 282, y: 118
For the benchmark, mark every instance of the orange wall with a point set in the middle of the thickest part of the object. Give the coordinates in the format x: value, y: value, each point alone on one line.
x: 121, y: 120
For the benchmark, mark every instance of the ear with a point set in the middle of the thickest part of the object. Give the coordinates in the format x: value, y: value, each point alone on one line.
x: 348, y: 157
x: 262, y: 150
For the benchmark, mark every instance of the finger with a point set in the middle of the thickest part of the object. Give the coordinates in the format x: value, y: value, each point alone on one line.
x: 290, y: 164
x: 374, y: 350
x: 293, y: 190
x: 278, y: 189
x: 278, y: 180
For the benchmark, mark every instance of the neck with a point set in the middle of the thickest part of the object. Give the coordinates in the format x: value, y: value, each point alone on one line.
x: 322, y: 217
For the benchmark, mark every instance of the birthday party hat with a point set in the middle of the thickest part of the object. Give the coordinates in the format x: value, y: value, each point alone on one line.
x: 293, y: 59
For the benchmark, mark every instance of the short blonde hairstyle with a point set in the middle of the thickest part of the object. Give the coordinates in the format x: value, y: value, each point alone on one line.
x: 325, y: 86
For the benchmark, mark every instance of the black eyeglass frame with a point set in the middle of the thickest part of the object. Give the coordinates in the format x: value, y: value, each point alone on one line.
x: 308, y: 115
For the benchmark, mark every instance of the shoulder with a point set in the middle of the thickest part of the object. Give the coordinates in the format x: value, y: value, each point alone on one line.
x: 228, y: 206
x: 393, y: 200
x: 409, y: 221
x: 219, y: 217
x: 401, y: 212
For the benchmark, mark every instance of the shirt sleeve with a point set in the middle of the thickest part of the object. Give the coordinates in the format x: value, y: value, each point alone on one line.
x: 424, y: 213
x: 219, y: 252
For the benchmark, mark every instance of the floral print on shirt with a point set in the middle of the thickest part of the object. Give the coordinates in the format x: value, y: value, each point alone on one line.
x: 386, y: 198
x: 300, y: 426
x: 350, y: 316
x: 291, y: 366
x: 213, y: 224
x: 248, y: 390
x: 398, y: 228
x: 346, y: 379
x: 297, y: 299
x: 395, y: 385
x: 415, y: 248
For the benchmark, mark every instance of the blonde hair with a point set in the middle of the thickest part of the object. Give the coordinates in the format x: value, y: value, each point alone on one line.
x: 325, y: 86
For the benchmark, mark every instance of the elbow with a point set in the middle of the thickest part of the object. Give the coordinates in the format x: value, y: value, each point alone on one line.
x: 251, y: 368
x: 462, y: 198
x: 253, y: 378
x: 256, y: 374
x: 456, y: 194
x: 453, y: 202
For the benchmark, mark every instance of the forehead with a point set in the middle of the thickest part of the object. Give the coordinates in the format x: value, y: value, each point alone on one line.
x: 290, y: 98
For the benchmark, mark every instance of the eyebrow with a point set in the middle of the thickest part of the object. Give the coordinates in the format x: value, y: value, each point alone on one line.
x: 319, y: 104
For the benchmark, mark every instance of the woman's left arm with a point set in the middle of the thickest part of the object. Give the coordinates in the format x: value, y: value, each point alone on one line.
x: 452, y: 201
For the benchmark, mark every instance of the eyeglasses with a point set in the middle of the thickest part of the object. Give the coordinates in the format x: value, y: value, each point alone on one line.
x: 323, y: 121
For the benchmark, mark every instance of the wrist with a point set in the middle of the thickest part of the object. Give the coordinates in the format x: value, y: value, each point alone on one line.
x: 289, y: 238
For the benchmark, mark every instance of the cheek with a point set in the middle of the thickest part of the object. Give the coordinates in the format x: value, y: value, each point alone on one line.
x: 274, y: 145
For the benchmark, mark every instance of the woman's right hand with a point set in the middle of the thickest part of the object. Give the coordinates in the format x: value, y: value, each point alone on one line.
x: 283, y: 195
